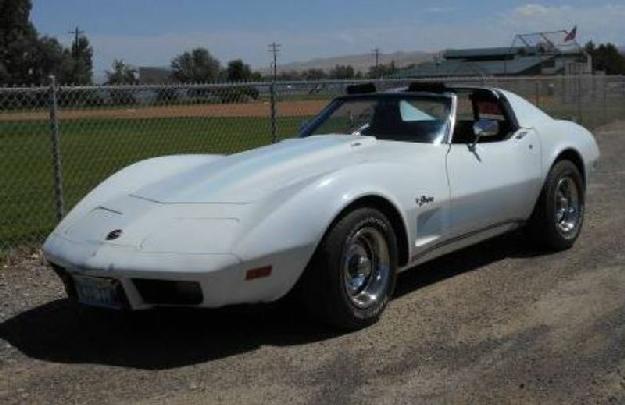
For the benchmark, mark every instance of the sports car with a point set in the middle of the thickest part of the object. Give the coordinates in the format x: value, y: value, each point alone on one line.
x: 377, y: 183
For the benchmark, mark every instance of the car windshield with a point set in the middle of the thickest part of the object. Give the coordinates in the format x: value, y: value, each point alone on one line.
x: 423, y: 119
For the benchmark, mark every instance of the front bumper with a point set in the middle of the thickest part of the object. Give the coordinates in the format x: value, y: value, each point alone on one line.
x: 152, y: 292
x: 220, y: 277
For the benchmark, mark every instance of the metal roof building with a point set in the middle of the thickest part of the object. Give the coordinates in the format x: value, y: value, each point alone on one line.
x: 540, y: 58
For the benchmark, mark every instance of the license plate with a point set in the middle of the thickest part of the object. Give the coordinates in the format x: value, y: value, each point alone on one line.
x: 99, y: 292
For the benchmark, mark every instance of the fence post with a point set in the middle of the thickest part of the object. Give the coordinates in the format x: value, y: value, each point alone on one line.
x: 56, y: 150
x: 274, y: 137
x: 580, y: 93
x: 606, y: 118
x: 537, y: 92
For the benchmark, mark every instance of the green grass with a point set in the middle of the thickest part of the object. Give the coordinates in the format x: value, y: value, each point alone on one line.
x: 93, y: 149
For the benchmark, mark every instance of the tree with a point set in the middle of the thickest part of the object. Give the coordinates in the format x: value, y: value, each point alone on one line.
x: 49, y: 57
x: 121, y: 73
x: 14, y: 21
x: 17, y: 38
x: 590, y: 47
x: 342, y: 72
x: 237, y: 71
x: 81, y: 71
x: 27, y: 58
x: 606, y: 58
x: 195, y: 66
x: 314, y: 74
x: 256, y: 77
x: 382, y: 70
x: 288, y: 75
x: 32, y: 61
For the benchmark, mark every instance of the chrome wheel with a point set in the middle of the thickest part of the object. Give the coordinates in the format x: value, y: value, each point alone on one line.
x: 567, y: 206
x: 366, y: 267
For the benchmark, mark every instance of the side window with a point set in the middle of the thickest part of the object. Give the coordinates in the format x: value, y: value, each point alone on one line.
x: 465, y: 117
x: 410, y: 119
x: 464, y: 108
x: 349, y: 118
x: 418, y: 110
x: 479, y: 105
x: 491, y: 109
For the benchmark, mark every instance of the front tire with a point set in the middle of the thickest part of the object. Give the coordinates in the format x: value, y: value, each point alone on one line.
x: 352, y: 274
x: 559, y: 213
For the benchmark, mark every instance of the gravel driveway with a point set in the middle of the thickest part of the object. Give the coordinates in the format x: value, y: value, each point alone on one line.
x: 498, y: 322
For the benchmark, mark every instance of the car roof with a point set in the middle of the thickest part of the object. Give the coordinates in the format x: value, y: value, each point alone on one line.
x: 416, y: 88
x: 434, y: 89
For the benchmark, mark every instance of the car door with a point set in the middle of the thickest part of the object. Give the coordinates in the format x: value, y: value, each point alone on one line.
x: 495, y: 181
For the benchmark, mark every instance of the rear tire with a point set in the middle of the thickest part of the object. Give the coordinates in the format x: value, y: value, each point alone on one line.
x: 352, y: 274
x: 558, y: 216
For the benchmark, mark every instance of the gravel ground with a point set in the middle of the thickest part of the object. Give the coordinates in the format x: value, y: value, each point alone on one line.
x: 493, y: 323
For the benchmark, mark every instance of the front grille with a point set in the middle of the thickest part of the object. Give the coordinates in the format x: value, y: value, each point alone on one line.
x: 163, y: 292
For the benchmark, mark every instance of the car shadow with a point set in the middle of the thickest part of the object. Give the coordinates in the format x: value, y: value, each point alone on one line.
x: 168, y: 338
x: 510, y: 245
x: 156, y: 339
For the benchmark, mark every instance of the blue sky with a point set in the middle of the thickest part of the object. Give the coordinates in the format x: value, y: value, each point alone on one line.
x: 151, y: 32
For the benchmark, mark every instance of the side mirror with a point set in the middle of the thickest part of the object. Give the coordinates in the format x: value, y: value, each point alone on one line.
x: 484, y: 127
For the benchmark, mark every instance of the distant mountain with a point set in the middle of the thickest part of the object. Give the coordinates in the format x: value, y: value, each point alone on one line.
x: 361, y: 62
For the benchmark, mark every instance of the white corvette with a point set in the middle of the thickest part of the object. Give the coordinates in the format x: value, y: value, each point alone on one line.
x: 375, y: 184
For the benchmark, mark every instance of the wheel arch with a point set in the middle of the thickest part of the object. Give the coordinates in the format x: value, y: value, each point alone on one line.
x: 573, y: 156
x: 390, y: 210
x: 567, y: 153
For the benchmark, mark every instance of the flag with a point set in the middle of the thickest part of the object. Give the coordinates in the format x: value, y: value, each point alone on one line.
x: 570, y: 36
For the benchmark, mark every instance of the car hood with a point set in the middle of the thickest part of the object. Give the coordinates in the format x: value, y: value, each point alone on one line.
x: 170, y: 211
x: 249, y: 176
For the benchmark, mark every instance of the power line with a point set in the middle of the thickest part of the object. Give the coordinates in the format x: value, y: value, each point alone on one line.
x: 274, y: 48
x: 77, y: 33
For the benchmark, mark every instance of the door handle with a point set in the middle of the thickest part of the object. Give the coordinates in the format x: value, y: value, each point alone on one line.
x: 520, y: 135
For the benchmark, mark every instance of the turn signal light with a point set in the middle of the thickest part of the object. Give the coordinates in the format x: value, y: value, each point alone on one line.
x: 258, y: 273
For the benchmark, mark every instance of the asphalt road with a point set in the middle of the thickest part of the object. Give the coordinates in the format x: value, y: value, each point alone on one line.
x: 494, y: 323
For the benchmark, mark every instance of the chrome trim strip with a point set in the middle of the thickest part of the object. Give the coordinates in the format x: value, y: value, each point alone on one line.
x: 467, y: 235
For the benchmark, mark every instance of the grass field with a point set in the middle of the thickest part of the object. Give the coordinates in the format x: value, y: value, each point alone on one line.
x: 93, y: 149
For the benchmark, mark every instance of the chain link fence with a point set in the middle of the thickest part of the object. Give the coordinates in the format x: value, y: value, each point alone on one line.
x: 58, y: 142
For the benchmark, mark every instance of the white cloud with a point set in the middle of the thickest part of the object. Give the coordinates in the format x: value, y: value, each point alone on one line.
x: 599, y: 22
x: 532, y: 10
x: 440, y: 10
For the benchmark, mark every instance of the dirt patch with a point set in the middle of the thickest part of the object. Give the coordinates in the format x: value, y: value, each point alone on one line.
x: 260, y: 109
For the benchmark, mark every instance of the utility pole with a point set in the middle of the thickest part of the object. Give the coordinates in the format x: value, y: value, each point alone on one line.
x: 77, y: 33
x: 376, y: 53
x: 274, y: 48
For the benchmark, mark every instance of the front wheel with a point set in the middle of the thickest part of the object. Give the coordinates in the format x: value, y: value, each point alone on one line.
x: 559, y: 213
x: 351, y: 276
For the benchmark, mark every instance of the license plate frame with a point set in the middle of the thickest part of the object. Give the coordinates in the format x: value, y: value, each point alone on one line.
x: 98, y: 291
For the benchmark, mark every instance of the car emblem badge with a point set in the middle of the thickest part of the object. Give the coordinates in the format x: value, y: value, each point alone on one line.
x: 424, y: 199
x: 114, y: 234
